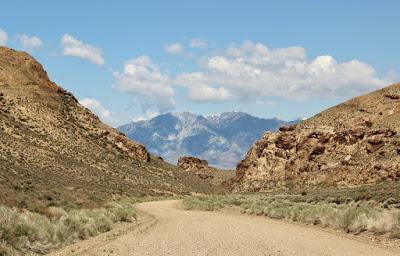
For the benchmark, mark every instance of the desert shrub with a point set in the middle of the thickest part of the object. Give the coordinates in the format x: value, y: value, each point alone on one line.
x: 339, y: 213
x: 383, y: 223
x: 353, y: 219
x: 7, y: 250
x: 55, y: 213
x: 206, y: 203
x: 22, y: 231
x: 396, y: 227
x: 389, y: 202
x: 122, y: 211
x: 77, y: 224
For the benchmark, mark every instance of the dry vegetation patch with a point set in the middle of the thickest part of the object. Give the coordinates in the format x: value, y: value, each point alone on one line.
x: 23, y: 231
x: 352, y: 210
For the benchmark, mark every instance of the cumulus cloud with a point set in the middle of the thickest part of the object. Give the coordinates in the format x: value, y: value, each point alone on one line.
x: 95, y: 106
x: 73, y: 47
x: 151, y: 87
x: 199, y: 90
x: 3, y: 38
x: 29, y: 42
x: 147, y: 115
x: 252, y: 70
x: 198, y: 43
x: 175, y: 48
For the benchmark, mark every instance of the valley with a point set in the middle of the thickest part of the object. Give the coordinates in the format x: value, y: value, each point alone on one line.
x: 73, y: 185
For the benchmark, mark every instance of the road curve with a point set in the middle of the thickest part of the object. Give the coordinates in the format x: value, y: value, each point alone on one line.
x: 167, y: 230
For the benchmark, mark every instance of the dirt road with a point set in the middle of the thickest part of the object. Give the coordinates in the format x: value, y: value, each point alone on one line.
x: 164, y: 229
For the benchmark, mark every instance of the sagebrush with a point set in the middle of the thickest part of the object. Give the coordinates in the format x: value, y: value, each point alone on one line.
x: 22, y: 231
x: 350, y: 216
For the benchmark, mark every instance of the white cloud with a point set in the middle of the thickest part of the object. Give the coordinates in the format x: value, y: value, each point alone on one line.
x: 251, y: 71
x: 95, y: 106
x: 198, y: 43
x: 29, y: 43
x: 265, y: 102
x: 3, y: 38
x: 175, y: 48
x: 151, y: 87
x: 73, y: 47
x: 147, y: 115
x: 207, y: 93
x: 198, y: 89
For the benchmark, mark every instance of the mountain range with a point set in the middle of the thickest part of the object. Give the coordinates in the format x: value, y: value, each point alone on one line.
x: 221, y: 139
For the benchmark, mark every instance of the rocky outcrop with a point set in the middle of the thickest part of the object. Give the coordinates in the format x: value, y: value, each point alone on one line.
x: 132, y: 148
x: 354, y: 143
x: 196, y: 166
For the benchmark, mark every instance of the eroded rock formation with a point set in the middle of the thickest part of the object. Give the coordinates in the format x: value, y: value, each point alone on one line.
x: 196, y: 166
x: 357, y: 142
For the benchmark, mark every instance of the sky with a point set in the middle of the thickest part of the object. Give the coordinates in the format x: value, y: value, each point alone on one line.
x: 133, y: 60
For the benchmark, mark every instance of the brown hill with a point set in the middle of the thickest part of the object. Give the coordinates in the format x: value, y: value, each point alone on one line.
x: 55, y: 151
x: 356, y: 142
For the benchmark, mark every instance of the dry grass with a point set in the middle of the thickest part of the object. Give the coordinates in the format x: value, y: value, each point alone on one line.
x: 348, y: 215
x: 22, y: 231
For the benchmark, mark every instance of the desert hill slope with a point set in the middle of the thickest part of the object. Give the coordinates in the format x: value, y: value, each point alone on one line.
x: 356, y: 142
x: 55, y: 151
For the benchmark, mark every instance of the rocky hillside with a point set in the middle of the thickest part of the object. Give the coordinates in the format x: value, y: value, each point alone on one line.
x: 222, y: 140
x: 357, y: 142
x: 54, y: 151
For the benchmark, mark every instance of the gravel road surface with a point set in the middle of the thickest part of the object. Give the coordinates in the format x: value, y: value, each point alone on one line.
x: 164, y: 229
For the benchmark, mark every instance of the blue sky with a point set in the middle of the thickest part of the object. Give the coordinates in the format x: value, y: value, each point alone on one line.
x: 128, y: 60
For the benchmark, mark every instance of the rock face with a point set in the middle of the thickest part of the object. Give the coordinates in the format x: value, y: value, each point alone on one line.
x: 133, y: 149
x: 357, y: 142
x: 197, y: 166
x: 52, y: 149
x: 222, y: 140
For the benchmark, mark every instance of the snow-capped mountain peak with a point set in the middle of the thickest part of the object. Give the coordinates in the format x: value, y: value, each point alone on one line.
x: 221, y: 139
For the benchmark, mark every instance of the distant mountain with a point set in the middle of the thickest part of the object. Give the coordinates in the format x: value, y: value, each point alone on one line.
x: 222, y: 139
